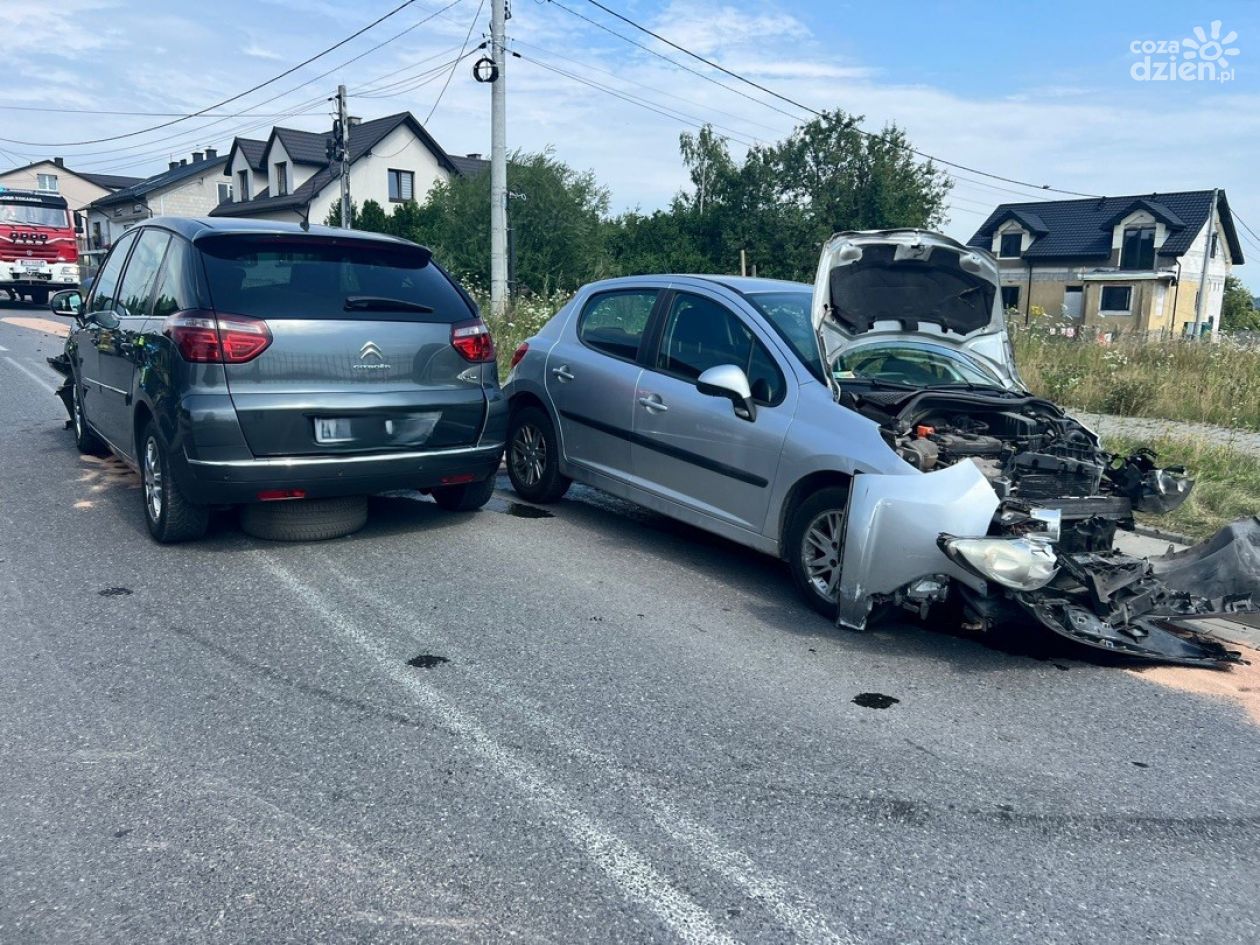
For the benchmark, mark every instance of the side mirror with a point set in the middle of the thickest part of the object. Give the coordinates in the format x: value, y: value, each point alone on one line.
x: 729, y: 381
x: 67, y: 302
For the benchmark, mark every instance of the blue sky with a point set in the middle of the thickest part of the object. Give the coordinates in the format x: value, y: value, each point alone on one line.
x: 1036, y: 91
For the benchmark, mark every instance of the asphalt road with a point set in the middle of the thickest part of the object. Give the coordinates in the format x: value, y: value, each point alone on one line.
x: 634, y: 733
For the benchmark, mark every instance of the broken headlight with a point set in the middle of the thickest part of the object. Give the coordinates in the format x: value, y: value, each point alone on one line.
x: 1023, y: 564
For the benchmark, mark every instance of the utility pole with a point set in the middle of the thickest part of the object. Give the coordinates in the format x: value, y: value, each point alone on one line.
x: 1209, y: 237
x: 498, y: 160
x: 343, y: 149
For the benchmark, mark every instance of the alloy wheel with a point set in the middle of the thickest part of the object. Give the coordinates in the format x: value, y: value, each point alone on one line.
x: 77, y: 410
x: 529, y: 455
x: 152, y: 475
x: 821, y: 552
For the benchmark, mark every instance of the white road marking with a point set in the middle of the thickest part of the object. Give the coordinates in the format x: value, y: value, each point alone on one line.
x: 32, y: 375
x: 628, y: 869
x: 789, y: 905
x: 3, y: 348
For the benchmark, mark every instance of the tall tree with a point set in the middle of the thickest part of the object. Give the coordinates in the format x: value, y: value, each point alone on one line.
x: 1238, y: 307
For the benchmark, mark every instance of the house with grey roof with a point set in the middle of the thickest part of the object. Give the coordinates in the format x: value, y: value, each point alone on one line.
x: 1117, y: 264
x: 290, y: 176
x: 187, y: 188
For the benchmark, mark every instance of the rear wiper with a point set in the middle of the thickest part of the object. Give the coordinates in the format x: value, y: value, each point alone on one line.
x: 380, y: 303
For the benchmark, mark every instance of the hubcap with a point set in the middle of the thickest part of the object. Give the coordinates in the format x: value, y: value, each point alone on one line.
x: 821, y: 553
x: 78, y: 412
x: 529, y: 455
x: 153, y: 479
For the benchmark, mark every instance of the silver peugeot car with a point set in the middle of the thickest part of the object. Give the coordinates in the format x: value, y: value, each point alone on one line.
x: 871, y: 430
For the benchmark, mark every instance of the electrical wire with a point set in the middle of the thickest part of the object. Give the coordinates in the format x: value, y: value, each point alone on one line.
x: 814, y: 111
x: 305, y: 62
x: 445, y: 85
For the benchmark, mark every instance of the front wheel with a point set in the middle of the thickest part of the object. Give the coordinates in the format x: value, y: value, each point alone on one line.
x: 533, y: 457
x: 167, y: 511
x: 86, y: 441
x: 815, y: 547
x: 39, y: 296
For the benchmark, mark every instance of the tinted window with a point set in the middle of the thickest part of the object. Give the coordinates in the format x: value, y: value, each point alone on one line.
x: 789, y: 315
x: 105, y: 288
x: 313, y: 277
x: 142, y: 272
x: 614, y: 321
x: 1138, y: 251
x: 177, y: 290
x: 1012, y: 244
x: 701, y: 334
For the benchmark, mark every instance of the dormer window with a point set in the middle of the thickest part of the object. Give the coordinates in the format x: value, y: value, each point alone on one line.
x: 1012, y: 245
x: 282, y: 178
x: 242, y: 192
x: 1138, y: 250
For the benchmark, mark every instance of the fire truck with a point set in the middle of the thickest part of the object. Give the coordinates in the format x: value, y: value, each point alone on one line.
x: 38, y: 254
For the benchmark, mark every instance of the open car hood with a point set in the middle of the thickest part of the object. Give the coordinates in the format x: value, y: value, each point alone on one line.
x: 911, y: 284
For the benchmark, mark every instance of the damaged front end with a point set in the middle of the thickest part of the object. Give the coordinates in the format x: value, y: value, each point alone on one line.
x: 1018, y: 504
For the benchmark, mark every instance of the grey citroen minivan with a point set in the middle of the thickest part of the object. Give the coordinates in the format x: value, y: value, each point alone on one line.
x: 247, y: 362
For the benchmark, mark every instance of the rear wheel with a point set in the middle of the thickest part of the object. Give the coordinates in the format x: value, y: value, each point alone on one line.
x: 39, y: 296
x: 466, y: 498
x: 305, y: 519
x: 171, y: 517
x: 533, y: 456
x: 86, y: 441
x: 815, y: 547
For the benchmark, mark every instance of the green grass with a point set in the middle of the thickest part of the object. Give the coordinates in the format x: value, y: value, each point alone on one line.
x: 524, y: 317
x: 1169, y: 380
x: 1227, y: 483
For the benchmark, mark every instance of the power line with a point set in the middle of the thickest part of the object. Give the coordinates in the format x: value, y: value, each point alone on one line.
x: 814, y: 111
x: 305, y: 62
x: 98, y: 111
x: 445, y: 85
x: 1234, y: 214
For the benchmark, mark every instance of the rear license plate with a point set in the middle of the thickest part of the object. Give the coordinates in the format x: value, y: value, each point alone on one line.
x: 333, y: 430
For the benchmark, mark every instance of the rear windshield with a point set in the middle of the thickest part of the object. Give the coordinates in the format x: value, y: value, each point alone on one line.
x: 314, y: 277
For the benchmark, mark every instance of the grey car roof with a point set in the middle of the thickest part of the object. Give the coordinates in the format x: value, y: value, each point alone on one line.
x: 196, y: 227
x: 744, y: 285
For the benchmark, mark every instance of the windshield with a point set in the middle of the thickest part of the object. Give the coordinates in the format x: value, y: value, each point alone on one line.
x: 318, y: 277
x: 788, y: 314
x: 915, y: 364
x: 25, y: 214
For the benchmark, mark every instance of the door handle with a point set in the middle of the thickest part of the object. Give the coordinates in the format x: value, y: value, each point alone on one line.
x: 653, y: 403
x: 562, y: 372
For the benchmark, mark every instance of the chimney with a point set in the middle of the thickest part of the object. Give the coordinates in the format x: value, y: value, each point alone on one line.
x: 198, y: 156
x: 476, y: 156
x: 211, y: 154
x: 172, y: 165
x: 60, y: 162
x: 183, y: 161
x: 353, y: 120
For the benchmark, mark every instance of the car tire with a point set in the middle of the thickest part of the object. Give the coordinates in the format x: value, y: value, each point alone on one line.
x: 466, y: 498
x: 168, y: 512
x: 533, y: 457
x: 39, y: 296
x: 84, y: 439
x: 818, y: 521
x: 305, y: 519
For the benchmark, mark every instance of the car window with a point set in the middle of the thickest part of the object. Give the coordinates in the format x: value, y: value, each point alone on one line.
x: 614, y: 322
x: 177, y: 290
x: 701, y: 334
x: 142, y: 272
x: 918, y: 364
x: 105, y: 288
x: 313, y: 277
x: 788, y: 313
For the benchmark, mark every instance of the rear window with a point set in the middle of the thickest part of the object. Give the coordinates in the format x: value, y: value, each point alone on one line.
x: 313, y: 277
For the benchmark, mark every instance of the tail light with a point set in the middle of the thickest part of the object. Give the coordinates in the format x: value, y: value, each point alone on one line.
x: 206, y: 338
x: 472, y: 340
x: 521, y: 350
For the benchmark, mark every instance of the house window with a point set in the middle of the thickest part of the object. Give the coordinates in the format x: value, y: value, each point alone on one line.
x: 1116, y: 298
x: 1012, y: 244
x: 242, y: 178
x: 225, y: 192
x: 1010, y: 297
x: 282, y: 178
x: 1138, y: 250
x: 1212, y: 254
x: 402, y: 186
x: 46, y: 182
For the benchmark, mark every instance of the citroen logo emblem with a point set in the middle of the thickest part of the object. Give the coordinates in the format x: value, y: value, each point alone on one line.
x: 370, y: 350
x: 371, y: 358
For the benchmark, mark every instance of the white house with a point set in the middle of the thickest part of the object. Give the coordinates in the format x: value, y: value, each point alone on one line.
x: 289, y: 176
x: 185, y: 189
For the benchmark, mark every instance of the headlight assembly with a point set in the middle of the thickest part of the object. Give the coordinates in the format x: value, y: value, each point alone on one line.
x: 1023, y: 564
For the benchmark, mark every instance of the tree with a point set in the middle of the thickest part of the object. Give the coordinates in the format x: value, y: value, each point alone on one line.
x: 1238, y: 311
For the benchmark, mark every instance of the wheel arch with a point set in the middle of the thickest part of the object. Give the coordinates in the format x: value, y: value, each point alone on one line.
x: 801, y: 490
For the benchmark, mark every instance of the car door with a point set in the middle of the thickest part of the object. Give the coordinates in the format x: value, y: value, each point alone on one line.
x: 96, y: 333
x: 692, y: 448
x: 591, y: 376
x: 119, y: 348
